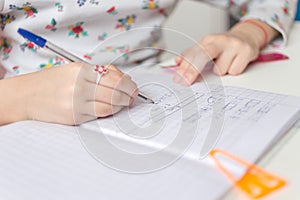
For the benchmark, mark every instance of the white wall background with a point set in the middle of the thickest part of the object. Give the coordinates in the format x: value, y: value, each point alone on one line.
x: 192, y: 19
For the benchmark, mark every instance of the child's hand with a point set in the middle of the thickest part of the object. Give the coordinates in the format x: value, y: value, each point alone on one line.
x: 69, y: 94
x: 231, y: 52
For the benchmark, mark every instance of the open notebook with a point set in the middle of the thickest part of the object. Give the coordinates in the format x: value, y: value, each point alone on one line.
x: 150, y: 151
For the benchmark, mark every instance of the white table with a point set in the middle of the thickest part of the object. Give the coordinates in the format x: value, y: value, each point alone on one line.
x: 279, y: 77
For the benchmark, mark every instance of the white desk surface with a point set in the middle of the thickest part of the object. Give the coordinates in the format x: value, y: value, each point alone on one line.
x: 279, y: 77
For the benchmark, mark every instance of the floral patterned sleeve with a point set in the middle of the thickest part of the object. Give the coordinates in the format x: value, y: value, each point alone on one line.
x: 2, y: 70
x: 279, y: 14
x: 1, y: 5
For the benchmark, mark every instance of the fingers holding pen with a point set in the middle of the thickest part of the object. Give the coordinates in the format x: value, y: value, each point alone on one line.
x: 112, y: 96
x: 114, y: 90
x: 119, y: 81
x: 101, y: 109
x: 112, y: 83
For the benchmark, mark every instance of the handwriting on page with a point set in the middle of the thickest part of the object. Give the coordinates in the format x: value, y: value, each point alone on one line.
x: 148, y: 120
x: 184, y: 120
x: 239, y: 104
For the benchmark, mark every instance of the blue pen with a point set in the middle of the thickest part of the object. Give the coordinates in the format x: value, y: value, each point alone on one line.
x: 41, y: 42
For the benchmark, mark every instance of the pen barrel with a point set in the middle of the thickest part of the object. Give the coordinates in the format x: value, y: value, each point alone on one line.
x: 62, y: 53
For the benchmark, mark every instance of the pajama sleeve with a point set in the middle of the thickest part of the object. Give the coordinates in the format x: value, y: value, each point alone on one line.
x: 279, y: 14
x: 2, y: 70
x: 1, y: 5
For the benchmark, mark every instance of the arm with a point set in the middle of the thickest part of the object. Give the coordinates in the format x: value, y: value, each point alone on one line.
x: 235, y: 49
x: 66, y: 95
x: 254, y: 31
x: 13, y: 100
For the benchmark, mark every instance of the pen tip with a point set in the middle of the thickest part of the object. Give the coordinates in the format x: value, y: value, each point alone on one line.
x: 145, y: 98
x: 150, y: 101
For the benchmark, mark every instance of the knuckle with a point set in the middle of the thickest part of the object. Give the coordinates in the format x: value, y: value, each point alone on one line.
x: 208, y: 38
x: 75, y: 64
x: 235, y: 71
x: 117, y: 97
x: 247, y: 49
x: 111, y: 66
x: 219, y: 71
x: 236, y: 44
x: 207, y: 49
x: 68, y: 109
x: 116, y: 79
x: 222, y: 37
x: 104, y: 111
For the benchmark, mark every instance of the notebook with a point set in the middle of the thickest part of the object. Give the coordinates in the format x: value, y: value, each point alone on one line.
x: 148, y: 151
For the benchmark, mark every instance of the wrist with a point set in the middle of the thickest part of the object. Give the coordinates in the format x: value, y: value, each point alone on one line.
x: 256, y: 30
x: 264, y: 36
x: 247, y: 33
x: 14, y: 100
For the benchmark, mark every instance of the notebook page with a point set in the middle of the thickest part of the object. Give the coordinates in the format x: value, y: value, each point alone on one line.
x: 247, y: 121
x: 48, y: 161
